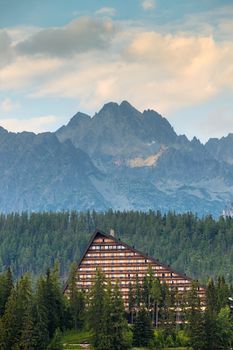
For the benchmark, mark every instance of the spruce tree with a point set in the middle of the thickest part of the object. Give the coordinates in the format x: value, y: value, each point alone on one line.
x: 224, y: 329
x: 117, y: 320
x: 138, y: 296
x: 142, y: 330
x: 131, y: 300
x: 211, y: 315
x: 17, y: 308
x: 156, y: 297
x: 52, y: 300
x: 195, y: 320
x: 76, y: 301
x: 97, y: 313
x: 6, y: 285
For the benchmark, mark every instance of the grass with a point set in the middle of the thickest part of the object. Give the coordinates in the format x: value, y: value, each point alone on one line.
x: 72, y: 339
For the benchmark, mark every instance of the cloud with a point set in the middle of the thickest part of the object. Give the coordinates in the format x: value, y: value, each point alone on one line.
x: 81, y: 35
x: 7, y: 105
x: 36, y: 124
x: 5, y: 47
x: 172, y: 71
x: 24, y: 72
x: 148, y: 4
x: 106, y: 11
x: 94, y: 60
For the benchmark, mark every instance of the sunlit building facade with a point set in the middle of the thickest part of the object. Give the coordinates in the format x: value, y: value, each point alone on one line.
x: 124, y: 264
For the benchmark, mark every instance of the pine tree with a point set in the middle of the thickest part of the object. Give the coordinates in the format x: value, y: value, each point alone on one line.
x: 117, y: 321
x: 27, y: 339
x: 52, y: 300
x: 76, y: 301
x: 211, y: 315
x: 167, y: 318
x: 6, y: 285
x: 142, y: 331
x: 156, y: 297
x: 131, y: 299
x: 97, y: 314
x: 222, y: 293
x: 224, y: 329
x: 15, y: 313
x: 195, y: 320
x: 41, y: 333
x: 138, y: 297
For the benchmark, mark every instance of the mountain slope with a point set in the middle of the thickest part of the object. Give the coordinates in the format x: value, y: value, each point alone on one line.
x: 121, y: 159
x: 40, y: 173
x: 147, y: 165
x: 221, y: 149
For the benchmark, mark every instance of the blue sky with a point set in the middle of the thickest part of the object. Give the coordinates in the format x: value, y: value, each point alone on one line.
x: 58, y: 57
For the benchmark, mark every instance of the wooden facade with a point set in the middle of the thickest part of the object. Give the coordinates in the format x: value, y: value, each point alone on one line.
x: 124, y: 264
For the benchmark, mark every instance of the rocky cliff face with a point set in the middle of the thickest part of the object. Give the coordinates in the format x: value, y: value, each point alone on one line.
x: 221, y: 149
x: 121, y: 159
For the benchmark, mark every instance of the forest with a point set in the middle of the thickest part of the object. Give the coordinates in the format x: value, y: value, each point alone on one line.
x: 36, y: 318
x: 199, y: 247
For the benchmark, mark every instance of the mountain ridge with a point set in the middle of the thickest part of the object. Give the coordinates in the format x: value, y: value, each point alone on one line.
x: 120, y: 158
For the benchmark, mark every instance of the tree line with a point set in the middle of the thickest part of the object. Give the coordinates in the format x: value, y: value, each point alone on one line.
x: 200, y: 247
x: 34, y: 316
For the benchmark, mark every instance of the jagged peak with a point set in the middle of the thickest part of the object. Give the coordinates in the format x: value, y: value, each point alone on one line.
x: 108, y: 107
x: 195, y: 140
x: 121, y: 108
x: 3, y: 130
x: 77, y: 118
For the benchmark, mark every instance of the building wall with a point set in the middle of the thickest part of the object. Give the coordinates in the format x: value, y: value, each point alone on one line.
x: 121, y: 263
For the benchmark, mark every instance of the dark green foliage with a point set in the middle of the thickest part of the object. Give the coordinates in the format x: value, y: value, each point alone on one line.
x: 107, y: 316
x: 218, y: 323
x: 55, y: 343
x: 142, y: 331
x: 131, y: 301
x: 195, y: 320
x: 99, y: 313
x: 224, y: 329
x: 32, y: 318
x: 199, y: 247
x: 76, y: 301
x: 50, y: 297
x: 15, y: 317
x: 6, y: 285
x: 117, y: 321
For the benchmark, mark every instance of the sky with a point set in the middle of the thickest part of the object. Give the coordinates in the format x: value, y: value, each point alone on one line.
x: 58, y: 57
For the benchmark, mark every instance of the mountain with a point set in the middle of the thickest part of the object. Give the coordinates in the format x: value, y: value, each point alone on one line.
x: 40, y: 173
x: 120, y: 158
x: 221, y: 149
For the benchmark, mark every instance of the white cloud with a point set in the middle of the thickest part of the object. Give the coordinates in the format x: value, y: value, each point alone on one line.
x: 148, y: 4
x: 37, y: 124
x: 165, y: 72
x: 149, y: 68
x: 106, y: 11
x: 7, y: 105
x: 26, y: 71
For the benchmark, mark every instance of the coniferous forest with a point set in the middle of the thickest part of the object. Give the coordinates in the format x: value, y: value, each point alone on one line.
x: 200, y: 247
x: 36, y: 317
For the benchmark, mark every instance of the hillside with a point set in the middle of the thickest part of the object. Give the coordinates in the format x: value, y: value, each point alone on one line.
x: 198, y: 247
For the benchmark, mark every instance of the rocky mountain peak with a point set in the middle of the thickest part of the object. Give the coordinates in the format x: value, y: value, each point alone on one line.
x: 78, y: 118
